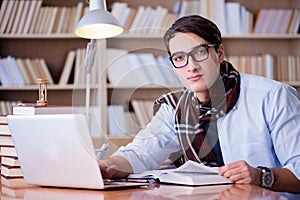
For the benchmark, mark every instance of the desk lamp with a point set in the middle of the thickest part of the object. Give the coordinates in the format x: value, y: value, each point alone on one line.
x: 98, y: 23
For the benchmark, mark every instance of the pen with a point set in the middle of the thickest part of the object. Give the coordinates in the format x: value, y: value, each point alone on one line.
x: 102, y: 152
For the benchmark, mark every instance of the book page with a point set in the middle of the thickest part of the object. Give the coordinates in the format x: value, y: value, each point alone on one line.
x: 191, y: 166
x: 188, y: 167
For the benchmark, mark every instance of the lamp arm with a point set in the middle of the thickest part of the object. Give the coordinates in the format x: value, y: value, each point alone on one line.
x: 89, y: 62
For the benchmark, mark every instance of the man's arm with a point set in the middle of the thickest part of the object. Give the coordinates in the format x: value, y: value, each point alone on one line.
x: 242, y: 173
x: 115, y: 167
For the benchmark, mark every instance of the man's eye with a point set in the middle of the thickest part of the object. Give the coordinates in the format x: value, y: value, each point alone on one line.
x: 178, y: 57
x: 200, y: 51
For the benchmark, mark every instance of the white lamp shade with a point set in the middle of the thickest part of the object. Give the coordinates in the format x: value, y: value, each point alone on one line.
x: 98, y: 24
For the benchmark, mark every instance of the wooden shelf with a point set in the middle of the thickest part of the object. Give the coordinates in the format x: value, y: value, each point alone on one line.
x: 50, y: 87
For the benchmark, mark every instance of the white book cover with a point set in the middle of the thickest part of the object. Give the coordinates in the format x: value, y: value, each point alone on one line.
x: 141, y: 115
x: 3, y: 9
x: 18, y: 16
x: 14, y: 66
x: 7, y: 15
x: 158, y: 25
x: 116, y: 120
x: 218, y: 15
x: 269, y: 63
x: 137, y: 70
x: 152, y: 68
x: 52, y: 17
x: 167, y: 69
x: 67, y: 68
x: 40, y: 21
x: 297, y: 24
x: 126, y: 17
x: 35, y: 16
x: 137, y: 18
x: 11, y: 75
x: 79, y: 66
x: 120, y: 11
x: 23, y: 17
x: 42, y: 63
x: 36, y: 69
x: 61, y: 20
x: 149, y: 20
x: 118, y: 68
x: 78, y: 14
x: 233, y: 18
x: 45, y: 20
x: 12, y: 17
x: 4, y: 76
x: 143, y: 20
x: 23, y: 71
x: 30, y: 15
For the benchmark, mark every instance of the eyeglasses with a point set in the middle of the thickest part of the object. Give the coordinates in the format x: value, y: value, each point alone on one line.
x: 199, y: 53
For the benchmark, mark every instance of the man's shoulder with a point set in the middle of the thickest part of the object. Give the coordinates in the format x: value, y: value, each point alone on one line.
x: 261, y: 86
x: 254, y: 81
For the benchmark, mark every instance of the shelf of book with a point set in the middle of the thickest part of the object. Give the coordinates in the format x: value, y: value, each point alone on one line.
x: 53, y: 47
x: 50, y: 87
x: 276, y: 45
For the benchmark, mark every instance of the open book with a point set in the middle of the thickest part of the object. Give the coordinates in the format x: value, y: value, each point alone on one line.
x: 191, y: 173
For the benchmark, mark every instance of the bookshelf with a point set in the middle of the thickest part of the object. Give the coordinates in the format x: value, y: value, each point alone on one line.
x: 241, y: 44
x: 53, y: 48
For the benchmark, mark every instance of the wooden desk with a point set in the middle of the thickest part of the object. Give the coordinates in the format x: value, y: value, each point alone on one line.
x: 157, y: 192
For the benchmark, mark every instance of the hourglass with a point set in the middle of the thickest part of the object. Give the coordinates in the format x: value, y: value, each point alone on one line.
x: 42, y: 101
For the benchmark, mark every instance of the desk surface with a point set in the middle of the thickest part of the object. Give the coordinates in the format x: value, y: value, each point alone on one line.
x: 164, y: 192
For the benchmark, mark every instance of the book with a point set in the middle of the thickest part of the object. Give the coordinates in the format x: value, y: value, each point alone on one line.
x: 67, y: 68
x: 12, y: 192
x: 13, y: 182
x: 11, y: 17
x: 2, y: 10
x: 18, y: 16
x: 23, y: 17
x: 4, y: 21
x: 8, y: 171
x: 10, y: 161
x: 6, y: 140
x: 45, y: 71
x: 8, y: 151
x: 30, y: 15
x: 116, y: 120
x: 3, y: 119
x: 140, y: 112
x: 32, y: 109
x: 35, y: 16
x: 190, y: 173
x: 4, y: 129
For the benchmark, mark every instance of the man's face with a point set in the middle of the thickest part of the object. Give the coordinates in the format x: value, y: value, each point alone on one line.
x: 196, y: 76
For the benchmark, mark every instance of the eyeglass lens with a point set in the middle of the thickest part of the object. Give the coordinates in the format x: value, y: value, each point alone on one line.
x: 199, y: 53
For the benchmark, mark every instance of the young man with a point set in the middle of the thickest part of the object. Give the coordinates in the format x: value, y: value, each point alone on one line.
x: 247, y: 125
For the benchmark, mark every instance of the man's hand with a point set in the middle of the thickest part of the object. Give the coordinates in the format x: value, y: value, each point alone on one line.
x: 241, y: 172
x: 106, y: 170
x: 115, y: 167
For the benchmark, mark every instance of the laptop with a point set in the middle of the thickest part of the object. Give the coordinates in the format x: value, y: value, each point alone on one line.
x: 57, y: 150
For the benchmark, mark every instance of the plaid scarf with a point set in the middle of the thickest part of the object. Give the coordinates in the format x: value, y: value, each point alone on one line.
x: 192, y: 117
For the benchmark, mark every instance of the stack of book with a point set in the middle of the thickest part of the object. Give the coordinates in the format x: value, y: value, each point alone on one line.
x: 143, y: 110
x: 23, y: 71
x: 32, y: 17
x: 11, y: 173
x: 138, y: 69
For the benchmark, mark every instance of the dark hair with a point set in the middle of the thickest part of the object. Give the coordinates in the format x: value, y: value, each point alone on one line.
x: 196, y: 24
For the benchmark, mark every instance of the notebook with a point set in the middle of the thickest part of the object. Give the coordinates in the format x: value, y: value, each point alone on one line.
x: 57, y: 150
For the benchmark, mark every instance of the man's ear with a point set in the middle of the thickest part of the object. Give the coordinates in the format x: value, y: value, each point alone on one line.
x: 221, y: 52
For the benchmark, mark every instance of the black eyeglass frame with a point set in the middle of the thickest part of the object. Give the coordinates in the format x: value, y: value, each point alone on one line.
x: 206, y: 46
